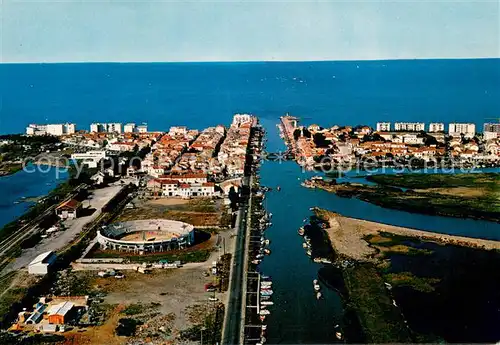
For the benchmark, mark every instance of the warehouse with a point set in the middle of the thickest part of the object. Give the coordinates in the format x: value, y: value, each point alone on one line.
x: 42, y: 263
x: 69, y: 209
x: 59, y: 314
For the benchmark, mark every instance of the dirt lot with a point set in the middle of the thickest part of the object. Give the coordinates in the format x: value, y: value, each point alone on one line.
x: 198, y: 212
x: 166, y: 302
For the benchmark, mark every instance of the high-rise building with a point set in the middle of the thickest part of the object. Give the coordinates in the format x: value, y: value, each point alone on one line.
x: 436, y: 127
x: 383, y: 127
x: 55, y: 129
x: 129, y: 128
x: 409, y: 126
x: 491, y: 127
x: 115, y: 127
x: 457, y: 129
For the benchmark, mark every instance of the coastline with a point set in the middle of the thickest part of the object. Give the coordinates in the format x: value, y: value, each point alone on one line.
x: 411, y: 200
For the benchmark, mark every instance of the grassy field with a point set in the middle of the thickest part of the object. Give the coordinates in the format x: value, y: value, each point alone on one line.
x: 380, y: 320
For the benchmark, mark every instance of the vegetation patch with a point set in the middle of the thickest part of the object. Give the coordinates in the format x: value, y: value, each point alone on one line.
x: 410, y: 280
x: 380, y: 320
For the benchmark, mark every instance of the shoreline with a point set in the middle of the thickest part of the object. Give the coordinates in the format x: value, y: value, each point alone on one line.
x: 346, y: 236
x: 408, y: 200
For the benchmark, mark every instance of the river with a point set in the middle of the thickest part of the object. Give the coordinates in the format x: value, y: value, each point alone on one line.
x: 24, y: 184
x: 297, y: 317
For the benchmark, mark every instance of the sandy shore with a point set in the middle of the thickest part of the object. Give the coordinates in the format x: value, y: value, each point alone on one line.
x: 346, y: 235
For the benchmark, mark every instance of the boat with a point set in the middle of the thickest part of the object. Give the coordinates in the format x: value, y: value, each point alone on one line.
x: 266, y: 303
x: 305, y: 245
x: 301, y: 231
x: 265, y: 277
x: 255, y: 262
x: 278, y: 188
x: 266, y: 293
x: 265, y: 298
x: 318, y: 295
x: 317, y: 260
x: 338, y: 335
x: 267, y: 251
x: 317, y: 287
x: 264, y: 312
x: 308, y: 252
x: 267, y: 242
x: 315, y: 281
x: 262, y: 318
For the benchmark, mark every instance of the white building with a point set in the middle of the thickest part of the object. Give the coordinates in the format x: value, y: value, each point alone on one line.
x: 90, y: 158
x: 142, y: 128
x: 238, y: 119
x: 115, y: 127
x: 409, y: 126
x: 412, y: 139
x: 491, y: 127
x: 383, y: 126
x: 56, y: 129
x: 177, y: 130
x: 436, y: 127
x: 42, y: 263
x: 129, y: 128
x: 457, y: 129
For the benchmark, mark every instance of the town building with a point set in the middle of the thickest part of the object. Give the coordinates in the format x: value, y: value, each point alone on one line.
x: 106, y: 127
x: 69, y: 209
x: 51, y: 129
x: 129, y: 128
x: 42, y: 264
x: 91, y: 158
x: 436, y: 127
x: 383, y: 126
x: 409, y: 126
x: 491, y: 127
x: 457, y: 129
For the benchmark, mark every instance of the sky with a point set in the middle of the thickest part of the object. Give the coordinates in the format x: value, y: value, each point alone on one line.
x: 143, y: 30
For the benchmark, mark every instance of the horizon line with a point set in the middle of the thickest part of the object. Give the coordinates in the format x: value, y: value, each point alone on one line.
x: 245, y: 61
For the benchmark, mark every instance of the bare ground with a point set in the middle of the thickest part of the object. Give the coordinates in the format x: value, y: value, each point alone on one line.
x: 346, y: 235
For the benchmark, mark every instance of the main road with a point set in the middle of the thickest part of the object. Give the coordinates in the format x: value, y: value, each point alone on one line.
x: 232, y: 320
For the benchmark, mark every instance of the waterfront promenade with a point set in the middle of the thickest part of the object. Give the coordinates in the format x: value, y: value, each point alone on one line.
x: 231, y: 333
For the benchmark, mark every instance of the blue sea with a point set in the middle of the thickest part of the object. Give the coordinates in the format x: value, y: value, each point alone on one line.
x: 204, y: 94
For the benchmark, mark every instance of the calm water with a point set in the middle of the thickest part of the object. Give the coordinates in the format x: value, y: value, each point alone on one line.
x: 200, y: 95
x: 204, y: 94
x: 26, y: 185
x: 296, y: 315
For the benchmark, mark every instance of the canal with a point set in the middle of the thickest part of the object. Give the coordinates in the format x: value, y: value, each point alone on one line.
x: 297, y: 317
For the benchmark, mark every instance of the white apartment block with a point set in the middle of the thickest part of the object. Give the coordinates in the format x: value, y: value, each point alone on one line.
x: 238, y: 119
x: 177, y: 130
x: 457, y: 129
x: 436, y: 127
x: 491, y: 127
x: 106, y: 127
x: 129, y: 128
x: 409, y: 126
x: 142, y: 128
x: 383, y: 126
x: 51, y: 129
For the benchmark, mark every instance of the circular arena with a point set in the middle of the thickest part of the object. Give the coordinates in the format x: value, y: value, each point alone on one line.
x: 146, y: 236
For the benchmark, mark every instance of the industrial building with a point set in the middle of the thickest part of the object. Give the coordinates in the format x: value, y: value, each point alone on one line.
x: 42, y: 264
x: 69, y: 209
x: 59, y: 314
